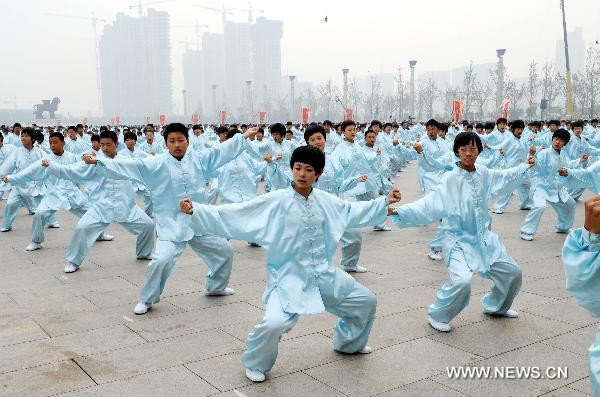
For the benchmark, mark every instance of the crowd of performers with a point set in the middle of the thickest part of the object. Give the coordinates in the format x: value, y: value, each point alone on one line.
x: 323, y: 183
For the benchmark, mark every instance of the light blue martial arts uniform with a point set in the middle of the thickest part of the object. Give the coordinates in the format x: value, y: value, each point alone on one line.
x: 5, y: 150
x: 140, y: 189
x: 169, y: 181
x: 78, y: 146
x: 468, y: 244
x: 576, y: 148
x: 581, y: 257
x: 516, y: 152
x: 27, y: 194
x: 581, y: 178
x: 151, y: 148
x: 300, y: 236
x: 61, y: 195
x: 549, y: 186
x: 238, y: 179
x: 13, y: 139
x: 112, y: 201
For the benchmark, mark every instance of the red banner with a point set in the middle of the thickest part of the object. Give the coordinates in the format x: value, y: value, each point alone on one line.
x: 262, y: 116
x: 84, y: 121
x: 118, y: 120
x: 457, y: 110
x: 162, y: 119
x: 505, y: 108
x: 195, y: 118
x: 349, y: 114
x: 223, y: 116
x: 305, y: 115
x: 113, y: 121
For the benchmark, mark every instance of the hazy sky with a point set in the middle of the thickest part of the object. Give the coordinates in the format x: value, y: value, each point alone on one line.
x: 43, y: 56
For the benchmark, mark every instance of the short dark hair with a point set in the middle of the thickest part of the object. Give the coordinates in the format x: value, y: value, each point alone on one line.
x: 176, y: 127
x: 562, y: 134
x: 95, y: 138
x: 369, y: 131
x: 432, y: 123
x: 489, y: 125
x: 108, y: 134
x: 501, y: 120
x: 231, y: 133
x: 197, y: 127
x: 277, y: 128
x: 57, y: 135
x: 327, y: 122
x: 517, y: 124
x: 555, y: 122
x: 222, y: 130
x: 374, y: 122
x: 478, y: 126
x: 15, y: 125
x: 309, y: 155
x: 467, y: 138
x: 29, y: 131
x: 72, y: 127
x: 79, y: 126
x: 130, y: 135
x: 347, y: 123
x: 314, y: 129
x: 444, y: 127
x: 576, y: 124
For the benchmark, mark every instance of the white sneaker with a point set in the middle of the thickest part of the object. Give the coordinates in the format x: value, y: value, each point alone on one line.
x: 366, y: 350
x: 435, y: 255
x: 438, y: 325
x: 33, y: 247
x: 70, y: 268
x: 511, y: 313
x: 141, y: 308
x: 5, y: 229
x: 105, y: 237
x: 526, y: 237
x: 55, y: 226
x: 255, y: 376
x: 225, y: 292
x: 382, y: 229
x: 499, y: 212
x: 356, y: 269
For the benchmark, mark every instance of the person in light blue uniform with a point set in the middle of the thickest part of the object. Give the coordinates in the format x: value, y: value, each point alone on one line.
x: 27, y: 194
x: 581, y: 258
x: 515, y: 151
x: 130, y: 151
x: 434, y: 159
x: 576, y: 149
x: 468, y: 244
x: 14, y: 137
x: 112, y: 202
x: 151, y: 146
x: 581, y: 178
x: 5, y: 150
x: 171, y: 177
x: 548, y: 186
x: 60, y: 195
x: 300, y: 233
x: 74, y: 144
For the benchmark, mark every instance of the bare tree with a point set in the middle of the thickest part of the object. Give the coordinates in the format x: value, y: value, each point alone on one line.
x: 469, y: 81
x: 327, y: 94
x: 356, y: 97
x: 401, y: 95
x: 591, y: 78
x: 450, y: 94
x: 515, y: 93
x: 533, y: 87
x: 309, y: 99
x: 428, y: 92
x: 580, y: 93
x: 482, y: 93
x: 373, y: 100
x: 548, y: 83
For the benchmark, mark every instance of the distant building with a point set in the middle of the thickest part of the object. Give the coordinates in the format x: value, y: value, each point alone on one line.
x: 576, y: 52
x: 481, y: 71
x: 212, y: 72
x: 238, y: 63
x: 135, y: 66
x: 192, y: 81
x: 265, y: 40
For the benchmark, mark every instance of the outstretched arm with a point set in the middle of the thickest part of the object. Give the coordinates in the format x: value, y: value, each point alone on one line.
x: 33, y: 172
x: 428, y: 209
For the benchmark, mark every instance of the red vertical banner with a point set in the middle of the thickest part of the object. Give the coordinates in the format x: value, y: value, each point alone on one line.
x: 223, y: 116
x: 457, y: 109
x: 262, y: 116
x: 162, y: 119
x: 505, y: 108
x: 113, y: 121
x: 84, y: 121
x: 349, y: 114
x: 118, y: 120
x: 195, y: 118
x: 305, y: 115
x: 148, y: 119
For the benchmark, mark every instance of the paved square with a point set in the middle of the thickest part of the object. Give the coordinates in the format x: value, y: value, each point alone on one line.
x: 76, y: 334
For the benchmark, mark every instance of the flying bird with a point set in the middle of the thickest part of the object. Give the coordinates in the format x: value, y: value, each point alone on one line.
x: 326, y: 20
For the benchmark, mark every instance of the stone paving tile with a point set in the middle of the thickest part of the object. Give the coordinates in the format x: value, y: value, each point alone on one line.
x: 21, y: 330
x: 135, y: 360
x: 176, y: 381
x: 422, y: 388
x: 583, y: 385
x: 564, y: 310
x: 293, y: 385
x: 537, y: 355
x: 500, y: 334
x: 389, y: 368
x: 45, y: 380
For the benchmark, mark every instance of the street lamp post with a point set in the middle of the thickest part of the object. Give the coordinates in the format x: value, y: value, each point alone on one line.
x: 568, y: 78
x: 412, y: 87
x: 500, y: 77
x: 292, y: 78
x: 214, y: 100
x: 345, y: 72
x: 184, y: 92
